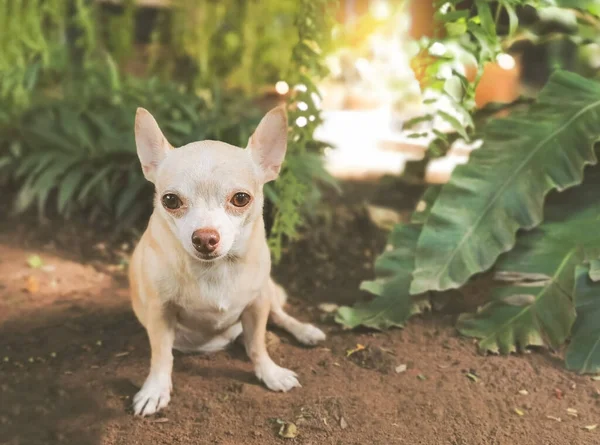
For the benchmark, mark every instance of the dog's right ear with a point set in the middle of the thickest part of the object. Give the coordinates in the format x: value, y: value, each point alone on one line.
x: 268, y: 144
x: 152, y: 146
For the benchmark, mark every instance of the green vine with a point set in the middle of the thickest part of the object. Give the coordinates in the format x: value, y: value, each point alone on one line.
x: 206, y: 60
x: 313, y: 22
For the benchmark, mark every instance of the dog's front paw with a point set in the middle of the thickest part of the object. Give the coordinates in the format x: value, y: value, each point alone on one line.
x: 310, y: 335
x: 154, y: 395
x: 277, y: 378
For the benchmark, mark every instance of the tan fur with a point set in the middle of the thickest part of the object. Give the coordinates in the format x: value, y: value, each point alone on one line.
x: 193, y: 302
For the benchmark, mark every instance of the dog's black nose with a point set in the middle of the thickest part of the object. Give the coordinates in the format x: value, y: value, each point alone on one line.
x: 205, y: 240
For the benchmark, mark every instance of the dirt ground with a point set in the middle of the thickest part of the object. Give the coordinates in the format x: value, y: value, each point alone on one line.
x: 72, y: 355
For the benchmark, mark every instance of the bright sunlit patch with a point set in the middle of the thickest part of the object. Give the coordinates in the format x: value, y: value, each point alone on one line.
x: 445, y: 72
x: 282, y: 87
x: 301, y: 87
x: 302, y: 106
x: 316, y: 99
x: 437, y: 49
x: 301, y: 121
x: 381, y: 10
x: 506, y: 61
x: 445, y: 8
x: 362, y: 65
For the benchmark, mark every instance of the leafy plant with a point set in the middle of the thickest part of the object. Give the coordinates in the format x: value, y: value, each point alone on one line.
x: 68, y: 99
x: 508, y: 211
x: 560, y: 34
x: 78, y: 152
x: 503, y: 186
x: 313, y: 21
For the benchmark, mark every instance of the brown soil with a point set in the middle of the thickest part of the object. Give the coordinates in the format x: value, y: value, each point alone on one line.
x: 72, y: 356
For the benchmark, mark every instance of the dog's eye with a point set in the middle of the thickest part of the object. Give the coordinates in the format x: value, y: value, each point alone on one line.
x: 171, y: 201
x: 240, y: 199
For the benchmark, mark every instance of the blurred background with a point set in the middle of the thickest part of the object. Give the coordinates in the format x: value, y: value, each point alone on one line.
x: 371, y: 87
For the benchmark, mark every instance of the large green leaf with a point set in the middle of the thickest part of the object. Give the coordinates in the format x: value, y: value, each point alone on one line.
x: 503, y: 186
x: 583, y: 354
x: 393, y: 304
x: 538, y: 308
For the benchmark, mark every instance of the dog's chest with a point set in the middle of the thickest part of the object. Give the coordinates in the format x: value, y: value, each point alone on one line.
x: 212, y: 300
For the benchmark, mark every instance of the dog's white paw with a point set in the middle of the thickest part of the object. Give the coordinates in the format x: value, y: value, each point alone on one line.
x: 310, y: 335
x: 277, y: 378
x: 154, y: 395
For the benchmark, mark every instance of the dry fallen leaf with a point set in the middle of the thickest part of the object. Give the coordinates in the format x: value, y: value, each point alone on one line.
x: 288, y: 430
x: 519, y: 412
x: 401, y: 368
x: 122, y: 354
x: 523, y: 392
x: 472, y: 376
x: 572, y: 412
x: 421, y: 377
x: 160, y: 420
x: 328, y: 308
x: 590, y: 427
x: 33, y: 285
x: 343, y: 423
x: 383, y: 217
x: 35, y: 262
x: 558, y: 419
x: 596, y: 378
x: 359, y: 347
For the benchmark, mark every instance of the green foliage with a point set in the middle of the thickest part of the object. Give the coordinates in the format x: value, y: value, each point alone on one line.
x: 583, y: 354
x: 393, y: 304
x: 79, y: 151
x: 538, y: 307
x: 475, y: 36
x: 494, y: 214
x: 502, y: 188
x: 313, y: 20
x: 68, y: 100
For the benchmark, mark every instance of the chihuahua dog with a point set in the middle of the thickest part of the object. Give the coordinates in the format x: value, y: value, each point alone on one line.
x: 200, y: 275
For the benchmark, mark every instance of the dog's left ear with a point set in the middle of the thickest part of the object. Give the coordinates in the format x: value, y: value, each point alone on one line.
x: 268, y: 144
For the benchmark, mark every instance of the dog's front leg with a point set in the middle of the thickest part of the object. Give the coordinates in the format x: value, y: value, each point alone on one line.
x: 156, y: 391
x: 254, y: 324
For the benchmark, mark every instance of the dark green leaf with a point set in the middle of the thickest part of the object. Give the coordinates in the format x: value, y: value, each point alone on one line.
x: 583, y: 353
x: 456, y: 125
x: 129, y: 194
x: 543, y: 311
x: 513, y: 19
x: 487, y: 19
x: 68, y: 188
x: 393, y: 304
x: 502, y: 187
